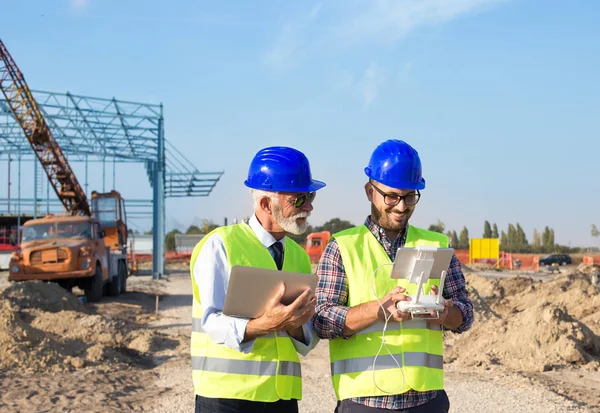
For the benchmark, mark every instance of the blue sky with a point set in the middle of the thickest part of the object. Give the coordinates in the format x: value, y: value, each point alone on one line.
x: 500, y: 97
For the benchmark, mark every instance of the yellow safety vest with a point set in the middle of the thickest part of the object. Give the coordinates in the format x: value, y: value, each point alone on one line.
x: 416, y: 344
x: 271, y: 371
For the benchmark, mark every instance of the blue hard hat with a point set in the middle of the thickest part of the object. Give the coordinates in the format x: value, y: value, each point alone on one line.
x: 281, y: 169
x: 396, y: 164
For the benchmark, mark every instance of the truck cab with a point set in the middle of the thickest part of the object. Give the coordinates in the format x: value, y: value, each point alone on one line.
x: 57, y: 248
x: 315, y: 244
x: 83, y: 251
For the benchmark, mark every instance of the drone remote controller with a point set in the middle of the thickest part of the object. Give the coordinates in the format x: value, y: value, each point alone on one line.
x: 421, y: 304
x: 427, y: 304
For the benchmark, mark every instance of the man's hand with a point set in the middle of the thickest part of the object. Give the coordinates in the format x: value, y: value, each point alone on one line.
x: 389, y: 302
x: 443, y: 314
x: 279, y: 317
x: 366, y: 314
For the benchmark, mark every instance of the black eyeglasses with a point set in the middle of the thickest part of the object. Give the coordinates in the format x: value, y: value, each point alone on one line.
x: 301, y: 199
x: 394, y: 199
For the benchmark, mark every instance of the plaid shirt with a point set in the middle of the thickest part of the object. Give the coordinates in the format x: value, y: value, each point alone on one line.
x: 332, y: 296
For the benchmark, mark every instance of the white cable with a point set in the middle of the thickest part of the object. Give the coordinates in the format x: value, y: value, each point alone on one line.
x: 387, y: 318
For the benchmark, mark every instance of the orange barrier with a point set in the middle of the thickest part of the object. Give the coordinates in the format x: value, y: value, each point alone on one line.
x: 588, y: 259
x: 514, y: 261
x: 463, y: 256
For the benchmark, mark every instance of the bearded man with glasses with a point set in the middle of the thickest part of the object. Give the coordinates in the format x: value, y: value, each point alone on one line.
x: 356, y: 297
x: 242, y: 365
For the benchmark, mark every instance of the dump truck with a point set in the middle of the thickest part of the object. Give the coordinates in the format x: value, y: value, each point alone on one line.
x: 315, y: 244
x: 89, y: 252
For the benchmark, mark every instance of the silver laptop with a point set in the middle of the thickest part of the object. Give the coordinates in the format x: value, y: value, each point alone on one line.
x: 251, y: 288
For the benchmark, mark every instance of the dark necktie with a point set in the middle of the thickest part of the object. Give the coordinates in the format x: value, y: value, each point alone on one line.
x: 277, y: 250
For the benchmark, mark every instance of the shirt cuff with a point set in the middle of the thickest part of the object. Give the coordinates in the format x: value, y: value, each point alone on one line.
x: 330, y: 321
x: 235, y: 335
x: 310, y: 340
x: 467, y: 321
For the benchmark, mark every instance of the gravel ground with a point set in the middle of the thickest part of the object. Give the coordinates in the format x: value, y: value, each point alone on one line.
x: 468, y: 392
x: 489, y: 391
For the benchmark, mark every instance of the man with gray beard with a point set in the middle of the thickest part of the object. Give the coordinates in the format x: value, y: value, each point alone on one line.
x: 242, y: 365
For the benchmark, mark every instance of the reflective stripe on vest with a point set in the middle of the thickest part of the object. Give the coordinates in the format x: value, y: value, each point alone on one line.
x: 415, y: 345
x: 271, y: 371
x: 386, y: 361
x: 250, y: 367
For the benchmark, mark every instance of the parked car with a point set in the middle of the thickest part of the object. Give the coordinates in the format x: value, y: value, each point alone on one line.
x: 560, y: 259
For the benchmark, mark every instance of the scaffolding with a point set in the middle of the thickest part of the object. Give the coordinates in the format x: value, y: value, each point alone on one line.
x: 91, y: 129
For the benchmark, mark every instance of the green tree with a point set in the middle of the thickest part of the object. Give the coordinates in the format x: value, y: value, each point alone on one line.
x: 548, y: 239
x: 522, y: 238
x: 170, y: 244
x: 437, y: 227
x: 512, y: 238
x: 595, y: 232
x: 207, y: 226
x: 495, y: 232
x: 454, y: 242
x: 334, y: 225
x: 463, y: 239
x: 545, y: 236
x: 503, y: 241
x: 487, y: 230
x: 537, y: 241
x: 194, y: 229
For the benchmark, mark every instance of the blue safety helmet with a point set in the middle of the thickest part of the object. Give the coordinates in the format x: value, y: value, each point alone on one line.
x: 396, y: 164
x: 281, y: 169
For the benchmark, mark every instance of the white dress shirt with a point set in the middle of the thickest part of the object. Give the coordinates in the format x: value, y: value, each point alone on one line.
x: 211, y: 273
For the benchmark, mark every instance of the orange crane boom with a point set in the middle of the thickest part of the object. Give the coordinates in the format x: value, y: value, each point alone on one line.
x: 27, y: 113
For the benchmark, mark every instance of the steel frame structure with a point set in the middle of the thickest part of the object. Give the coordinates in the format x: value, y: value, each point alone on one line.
x: 98, y: 129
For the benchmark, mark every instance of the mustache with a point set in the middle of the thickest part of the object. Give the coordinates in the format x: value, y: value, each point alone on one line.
x: 303, y: 214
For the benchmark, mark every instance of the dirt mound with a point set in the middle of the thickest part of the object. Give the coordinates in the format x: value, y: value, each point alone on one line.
x: 75, y: 326
x: 46, y: 296
x: 44, y: 328
x: 530, y: 326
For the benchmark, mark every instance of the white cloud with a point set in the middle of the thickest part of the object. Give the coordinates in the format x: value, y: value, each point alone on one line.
x: 315, y: 10
x: 389, y: 20
x: 372, y: 80
x: 79, y: 4
x: 287, y: 50
x: 370, y: 22
x: 291, y: 45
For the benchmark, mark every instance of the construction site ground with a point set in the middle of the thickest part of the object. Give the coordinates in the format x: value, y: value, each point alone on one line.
x: 534, y: 347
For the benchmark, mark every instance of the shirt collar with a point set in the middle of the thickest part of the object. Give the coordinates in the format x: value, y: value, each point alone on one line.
x: 261, y: 233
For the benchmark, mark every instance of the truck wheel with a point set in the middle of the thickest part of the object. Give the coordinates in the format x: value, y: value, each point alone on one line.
x: 93, y: 291
x: 123, y: 276
x: 114, y: 284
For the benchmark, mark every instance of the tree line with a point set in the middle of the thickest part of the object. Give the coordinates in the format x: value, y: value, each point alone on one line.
x: 512, y: 239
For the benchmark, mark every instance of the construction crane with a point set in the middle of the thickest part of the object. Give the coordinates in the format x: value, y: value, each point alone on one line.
x: 28, y: 115
x: 88, y: 249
